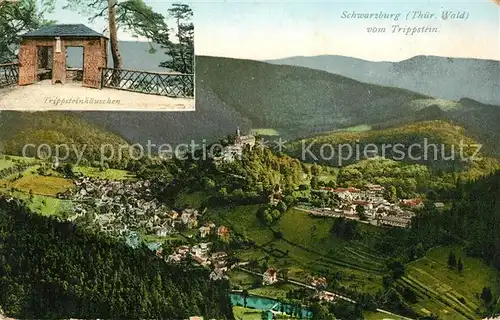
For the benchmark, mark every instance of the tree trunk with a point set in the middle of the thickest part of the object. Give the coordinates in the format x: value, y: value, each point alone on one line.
x: 113, y: 35
x: 113, y: 39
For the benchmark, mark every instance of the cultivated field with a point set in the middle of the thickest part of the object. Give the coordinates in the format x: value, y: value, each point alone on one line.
x: 42, y: 185
x: 439, y: 288
x: 306, y: 247
x: 241, y: 313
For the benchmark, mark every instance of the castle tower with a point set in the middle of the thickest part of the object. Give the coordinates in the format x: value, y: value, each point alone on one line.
x: 238, y: 136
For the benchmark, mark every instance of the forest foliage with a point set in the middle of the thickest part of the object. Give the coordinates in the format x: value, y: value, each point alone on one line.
x: 54, y: 270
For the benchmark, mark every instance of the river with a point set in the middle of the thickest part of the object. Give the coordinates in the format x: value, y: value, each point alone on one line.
x: 265, y: 304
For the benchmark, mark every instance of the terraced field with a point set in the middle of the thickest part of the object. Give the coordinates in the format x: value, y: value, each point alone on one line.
x: 306, y: 247
x: 447, y: 292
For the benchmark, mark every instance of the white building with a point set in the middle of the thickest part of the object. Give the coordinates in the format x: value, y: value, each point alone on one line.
x: 270, y: 276
x: 162, y: 232
x: 235, y: 151
x: 395, y: 221
x: 204, y: 231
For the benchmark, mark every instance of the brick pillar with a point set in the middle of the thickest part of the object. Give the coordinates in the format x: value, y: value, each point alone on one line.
x: 27, y: 64
x: 59, y: 64
x: 93, y: 60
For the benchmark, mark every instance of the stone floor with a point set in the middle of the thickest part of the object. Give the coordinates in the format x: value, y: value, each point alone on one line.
x: 43, y: 96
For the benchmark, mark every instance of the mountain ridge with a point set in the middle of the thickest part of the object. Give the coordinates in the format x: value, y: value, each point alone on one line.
x: 294, y: 101
x: 368, y: 60
x: 442, y: 77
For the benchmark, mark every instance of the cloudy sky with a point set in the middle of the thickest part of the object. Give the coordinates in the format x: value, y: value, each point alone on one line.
x: 275, y: 29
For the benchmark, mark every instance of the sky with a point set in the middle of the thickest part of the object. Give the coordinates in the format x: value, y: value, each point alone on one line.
x: 262, y: 30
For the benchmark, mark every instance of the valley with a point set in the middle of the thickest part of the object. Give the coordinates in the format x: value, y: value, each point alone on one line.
x: 290, y: 230
x: 307, y: 187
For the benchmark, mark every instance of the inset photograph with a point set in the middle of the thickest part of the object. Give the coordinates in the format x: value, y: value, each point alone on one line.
x: 96, y: 56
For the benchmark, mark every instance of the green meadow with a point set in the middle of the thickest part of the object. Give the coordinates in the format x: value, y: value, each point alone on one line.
x: 241, y: 313
x: 306, y: 247
x: 4, y: 163
x: 445, y: 291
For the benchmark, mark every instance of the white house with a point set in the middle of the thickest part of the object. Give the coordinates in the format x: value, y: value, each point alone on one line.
x: 217, y: 274
x: 395, y: 221
x: 204, y: 231
x: 270, y: 276
x: 162, y: 232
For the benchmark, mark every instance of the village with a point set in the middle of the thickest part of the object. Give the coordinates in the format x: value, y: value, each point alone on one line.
x: 368, y: 205
x: 121, y: 208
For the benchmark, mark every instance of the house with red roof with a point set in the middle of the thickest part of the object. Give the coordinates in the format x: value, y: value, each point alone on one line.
x: 270, y: 276
x: 223, y: 232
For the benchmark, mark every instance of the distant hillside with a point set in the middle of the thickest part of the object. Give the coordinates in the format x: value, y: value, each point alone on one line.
x: 294, y: 101
x: 447, y: 78
x: 250, y: 94
x: 18, y: 129
x: 438, y: 144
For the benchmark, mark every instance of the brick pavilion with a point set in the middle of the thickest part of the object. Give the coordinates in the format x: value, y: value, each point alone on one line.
x: 42, y: 55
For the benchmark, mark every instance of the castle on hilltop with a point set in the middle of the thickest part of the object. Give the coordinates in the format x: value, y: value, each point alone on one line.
x: 236, y: 149
x: 244, y: 140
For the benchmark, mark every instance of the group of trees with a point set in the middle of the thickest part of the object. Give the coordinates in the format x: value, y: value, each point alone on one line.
x: 55, y: 270
x: 339, y: 310
x: 474, y: 213
x: 15, y: 169
x: 402, y: 180
x: 141, y: 20
x: 16, y: 18
x: 454, y: 263
x: 255, y: 177
x: 271, y: 213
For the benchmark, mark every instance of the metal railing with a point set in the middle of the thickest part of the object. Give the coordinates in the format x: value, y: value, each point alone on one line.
x: 9, y: 74
x: 175, y: 85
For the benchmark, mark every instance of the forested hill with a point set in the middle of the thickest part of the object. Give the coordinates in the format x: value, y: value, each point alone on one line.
x: 54, y: 270
x: 18, y: 129
x: 476, y: 218
x: 442, y: 77
x: 436, y: 144
x: 293, y: 101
